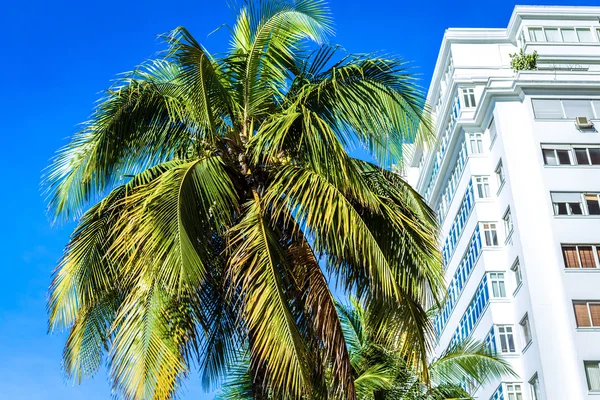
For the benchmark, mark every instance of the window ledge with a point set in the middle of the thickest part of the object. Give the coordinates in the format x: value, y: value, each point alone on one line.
x: 577, y: 216
x: 563, y: 43
x: 582, y: 270
x: 509, y: 355
x: 583, y: 330
x: 492, y: 248
x: 578, y: 166
x: 517, y: 289
x: 527, y: 346
x: 499, y: 300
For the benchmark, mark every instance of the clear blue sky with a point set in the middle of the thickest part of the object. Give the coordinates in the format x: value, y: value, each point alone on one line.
x: 56, y: 57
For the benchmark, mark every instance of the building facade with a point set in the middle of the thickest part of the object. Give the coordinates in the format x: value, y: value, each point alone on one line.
x: 515, y: 179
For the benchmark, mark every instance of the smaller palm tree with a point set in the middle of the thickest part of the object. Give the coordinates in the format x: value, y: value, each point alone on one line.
x: 376, y: 345
x: 382, y: 372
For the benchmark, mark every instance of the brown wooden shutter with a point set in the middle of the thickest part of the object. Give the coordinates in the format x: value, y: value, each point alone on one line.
x: 570, y: 255
x: 587, y: 257
x: 581, y: 315
x: 595, y: 311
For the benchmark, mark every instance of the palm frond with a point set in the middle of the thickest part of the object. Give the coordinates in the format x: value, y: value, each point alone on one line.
x: 469, y: 359
x: 141, y: 122
x: 370, y: 100
x: 145, y: 359
x: 167, y: 224
x: 324, y: 316
x: 276, y: 345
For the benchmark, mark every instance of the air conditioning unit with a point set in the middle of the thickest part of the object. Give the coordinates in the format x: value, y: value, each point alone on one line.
x: 583, y: 123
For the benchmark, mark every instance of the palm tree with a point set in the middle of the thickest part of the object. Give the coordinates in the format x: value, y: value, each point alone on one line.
x: 383, y: 373
x: 223, y: 196
x: 375, y: 343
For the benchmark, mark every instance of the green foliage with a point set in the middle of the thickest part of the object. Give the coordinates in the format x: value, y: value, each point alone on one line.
x: 381, y: 369
x: 214, y: 185
x: 523, y: 62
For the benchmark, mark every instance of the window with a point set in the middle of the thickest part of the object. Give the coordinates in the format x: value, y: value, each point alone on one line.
x: 567, y: 203
x: 567, y: 35
x: 508, y: 391
x: 492, y: 130
x: 497, y: 284
x: 508, y: 224
x: 587, y: 314
x: 565, y: 108
x: 513, y: 391
x: 475, y: 143
x: 525, y: 330
x: 507, y: 338
x: 570, y: 203
x: 490, y: 234
x: 456, y: 108
x: 482, y: 187
x: 468, y: 97
x: 581, y: 256
x: 578, y: 108
x: 556, y: 156
x: 534, y: 386
x: 584, y: 35
x: 567, y: 155
x: 490, y: 341
x: 516, y: 269
x: 547, y: 109
x: 592, y: 373
x: 536, y: 35
x: 500, y: 174
x: 591, y: 202
x: 552, y: 35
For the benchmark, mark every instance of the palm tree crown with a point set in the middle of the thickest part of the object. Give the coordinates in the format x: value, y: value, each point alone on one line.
x: 224, y: 197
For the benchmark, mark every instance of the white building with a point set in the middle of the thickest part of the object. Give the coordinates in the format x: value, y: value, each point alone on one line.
x: 516, y: 183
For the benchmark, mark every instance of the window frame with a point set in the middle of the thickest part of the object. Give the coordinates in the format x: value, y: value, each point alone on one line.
x: 560, y: 29
x: 595, y: 112
x: 477, y: 139
x: 587, y: 304
x: 517, y: 274
x: 534, y: 386
x: 526, y: 332
x: 595, y: 254
x: 484, y: 182
x: 497, y: 277
x: 500, y: 175
x: 468, y: 97
x: 559, y: 205
x: 506, y: 334
x: 587, y: 377
x: 509, y: 226
x: 572, y: 152
x: 490, y: 229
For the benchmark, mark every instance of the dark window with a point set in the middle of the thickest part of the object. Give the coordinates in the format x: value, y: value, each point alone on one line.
x: 563, y: 157
x: 576, y: 208
x: 561, y: 209
x: 582, y: 157
x: 595, y: 156
x: 592, y: 204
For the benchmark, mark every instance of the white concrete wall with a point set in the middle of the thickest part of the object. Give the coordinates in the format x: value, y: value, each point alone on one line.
x: 481, y: 60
